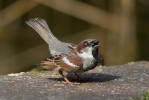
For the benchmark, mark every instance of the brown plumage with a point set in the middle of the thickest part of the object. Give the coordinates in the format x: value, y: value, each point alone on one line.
x: 67, y: 56
x: 56, y: 62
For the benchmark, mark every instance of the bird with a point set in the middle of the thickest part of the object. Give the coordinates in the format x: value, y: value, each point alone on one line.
x: 67, y: 57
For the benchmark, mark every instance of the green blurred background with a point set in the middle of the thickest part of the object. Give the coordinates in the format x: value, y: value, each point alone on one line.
x: 121, y: 25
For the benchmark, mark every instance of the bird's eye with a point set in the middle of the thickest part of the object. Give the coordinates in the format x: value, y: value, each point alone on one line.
x: 86, y: 44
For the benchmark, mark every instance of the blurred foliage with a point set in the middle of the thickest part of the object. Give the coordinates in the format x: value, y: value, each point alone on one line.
x: 121, y: 26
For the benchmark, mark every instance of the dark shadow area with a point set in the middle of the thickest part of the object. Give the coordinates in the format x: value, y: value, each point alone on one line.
x: 88, y: 77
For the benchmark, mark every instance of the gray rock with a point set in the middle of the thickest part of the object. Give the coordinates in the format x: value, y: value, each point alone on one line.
x: 106, y: 83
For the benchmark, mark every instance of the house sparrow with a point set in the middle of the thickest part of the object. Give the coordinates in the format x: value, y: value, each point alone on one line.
x: 67, y: 56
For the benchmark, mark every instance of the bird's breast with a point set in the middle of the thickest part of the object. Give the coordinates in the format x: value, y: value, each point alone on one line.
x: 89, y: 64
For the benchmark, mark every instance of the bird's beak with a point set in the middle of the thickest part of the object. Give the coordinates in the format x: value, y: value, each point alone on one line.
x: 95, y: 43
x: 97, y: 46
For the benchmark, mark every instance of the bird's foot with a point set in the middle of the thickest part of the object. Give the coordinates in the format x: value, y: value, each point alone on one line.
x: 71, y: 83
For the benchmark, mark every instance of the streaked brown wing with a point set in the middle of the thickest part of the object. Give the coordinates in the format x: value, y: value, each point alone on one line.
x: 49, y: 63
x: 72, y: 49
x: 65, y: 62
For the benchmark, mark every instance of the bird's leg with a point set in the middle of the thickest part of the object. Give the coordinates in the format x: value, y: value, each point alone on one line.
x: 80, y: 78
x: 66, y: 79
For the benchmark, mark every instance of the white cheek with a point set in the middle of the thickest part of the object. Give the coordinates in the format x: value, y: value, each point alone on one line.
x: 86, y: 53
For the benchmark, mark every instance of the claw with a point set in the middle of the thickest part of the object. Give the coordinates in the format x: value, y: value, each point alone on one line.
x: 71, y: 83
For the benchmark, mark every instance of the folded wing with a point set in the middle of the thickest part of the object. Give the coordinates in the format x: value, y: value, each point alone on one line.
x: 64, y: 62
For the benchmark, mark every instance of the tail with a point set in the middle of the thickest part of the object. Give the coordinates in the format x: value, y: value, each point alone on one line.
x: 56, y: 47
x: 41, y: 27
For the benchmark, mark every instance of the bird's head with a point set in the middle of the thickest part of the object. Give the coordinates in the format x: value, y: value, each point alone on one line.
x: 88, y: 48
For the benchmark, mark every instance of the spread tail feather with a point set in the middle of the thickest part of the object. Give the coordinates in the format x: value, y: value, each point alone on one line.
x: 41, y: 26
x: 56, y: 47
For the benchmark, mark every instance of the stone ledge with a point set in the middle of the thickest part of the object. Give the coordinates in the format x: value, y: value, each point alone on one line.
x: 113, y: 82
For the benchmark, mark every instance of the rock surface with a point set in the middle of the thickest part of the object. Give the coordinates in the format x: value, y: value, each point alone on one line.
x: 113, y: 83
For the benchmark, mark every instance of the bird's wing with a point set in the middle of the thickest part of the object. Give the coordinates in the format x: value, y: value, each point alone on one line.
x: 67, y: 63
x: 56, y: 47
